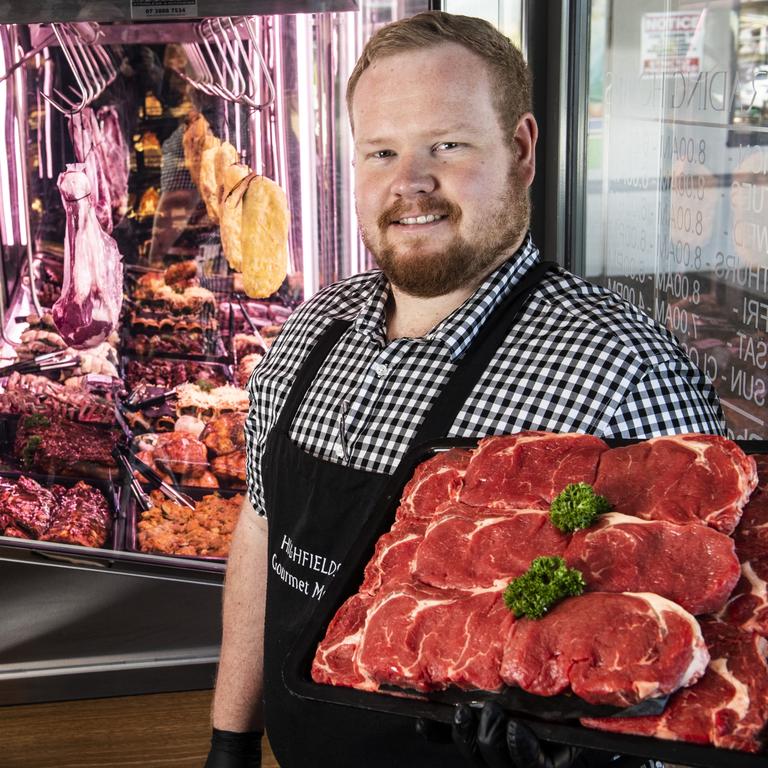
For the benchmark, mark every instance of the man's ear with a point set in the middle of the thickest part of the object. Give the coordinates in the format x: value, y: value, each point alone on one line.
x: 526, y: 134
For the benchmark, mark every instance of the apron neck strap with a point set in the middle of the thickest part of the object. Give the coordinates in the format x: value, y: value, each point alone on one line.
x: 306, y: 374
x: 476, y: 359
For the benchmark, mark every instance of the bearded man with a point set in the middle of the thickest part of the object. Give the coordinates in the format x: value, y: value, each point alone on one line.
x: 461, y: 332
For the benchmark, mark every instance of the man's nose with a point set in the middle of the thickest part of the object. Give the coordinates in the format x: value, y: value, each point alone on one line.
x: 413, y: 176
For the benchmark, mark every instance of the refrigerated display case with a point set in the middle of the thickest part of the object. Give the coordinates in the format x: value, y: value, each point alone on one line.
x: 111, y: 585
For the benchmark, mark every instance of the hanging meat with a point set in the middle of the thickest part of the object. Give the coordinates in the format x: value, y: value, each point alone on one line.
x: 87, y: 142
x: 116, y: 158
x: 92, y: 291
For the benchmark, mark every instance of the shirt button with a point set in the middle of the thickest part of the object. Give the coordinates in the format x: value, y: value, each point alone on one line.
x: 380, y: 369
x: 339, y: 451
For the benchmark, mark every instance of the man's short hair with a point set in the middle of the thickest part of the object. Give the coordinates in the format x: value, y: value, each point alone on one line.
x: 510, y: 76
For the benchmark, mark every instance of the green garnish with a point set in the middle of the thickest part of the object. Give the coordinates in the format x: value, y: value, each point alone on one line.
x: 204, y: 384
x: 28, y: 452
x: 36, y: 420
x: 577, y: 506
x: 547, y: 581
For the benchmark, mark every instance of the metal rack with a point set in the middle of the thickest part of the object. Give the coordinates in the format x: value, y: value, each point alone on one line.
x: 228, y: 71
x: 92, y: 66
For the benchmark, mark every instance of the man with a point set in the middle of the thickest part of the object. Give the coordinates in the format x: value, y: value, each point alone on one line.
x: 442, y: 341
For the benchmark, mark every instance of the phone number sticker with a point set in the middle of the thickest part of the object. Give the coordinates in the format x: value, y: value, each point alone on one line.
x: 163, y: 9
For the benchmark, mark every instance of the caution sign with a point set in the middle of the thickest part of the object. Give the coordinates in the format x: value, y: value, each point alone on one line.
x: 672, y: 42
x: 158, y: 10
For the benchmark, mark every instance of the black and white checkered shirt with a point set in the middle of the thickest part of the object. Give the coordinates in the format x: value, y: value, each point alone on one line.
x: 579, y: 360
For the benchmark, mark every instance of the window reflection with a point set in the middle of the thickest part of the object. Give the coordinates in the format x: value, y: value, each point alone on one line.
x: 676, y: 175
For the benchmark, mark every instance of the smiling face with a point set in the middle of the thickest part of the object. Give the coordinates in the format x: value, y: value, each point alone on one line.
x: 441, y: 196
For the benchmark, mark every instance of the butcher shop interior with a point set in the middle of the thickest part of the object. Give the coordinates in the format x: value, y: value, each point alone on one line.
x: 176, y: 181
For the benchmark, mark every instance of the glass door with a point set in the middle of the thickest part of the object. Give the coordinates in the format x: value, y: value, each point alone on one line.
x: 672, y: 181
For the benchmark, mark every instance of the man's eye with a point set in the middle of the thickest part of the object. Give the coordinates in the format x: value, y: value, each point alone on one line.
x: 382, y: 154
x: 443, y: 145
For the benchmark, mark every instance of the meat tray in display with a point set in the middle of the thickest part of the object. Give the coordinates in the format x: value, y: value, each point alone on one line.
x: 78, y: 514
x: 674, y: 601
x: 198, y: 454
x: 63, y: 447
x: 205, y: 531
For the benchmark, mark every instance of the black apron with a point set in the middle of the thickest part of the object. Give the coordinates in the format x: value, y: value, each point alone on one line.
x: 316, y: 510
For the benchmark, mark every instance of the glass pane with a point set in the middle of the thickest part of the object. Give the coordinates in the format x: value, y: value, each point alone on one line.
x: 676, y: 174
x: 505, y: 15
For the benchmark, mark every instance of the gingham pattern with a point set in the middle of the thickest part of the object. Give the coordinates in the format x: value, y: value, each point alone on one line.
x: 579, y: 359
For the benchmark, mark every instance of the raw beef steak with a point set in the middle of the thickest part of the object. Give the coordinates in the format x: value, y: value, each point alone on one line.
x: 607, y: 648
x: 693, y: 565
x: 334, y: 662
x: 463, y: 549
x: 427, y: 639
x: 391, y: 561
x: 751, y: 534
x: 748, y: 606
x: 727, y: 708
x: 529, y: 469
x: 435, y: 481
x: 680, y: 478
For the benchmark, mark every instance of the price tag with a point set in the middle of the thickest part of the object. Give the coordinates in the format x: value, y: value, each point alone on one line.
x: 157, y: 10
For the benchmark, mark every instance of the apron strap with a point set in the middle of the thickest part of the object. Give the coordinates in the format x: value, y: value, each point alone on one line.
x: 476, y: 359
x: 308, y: 371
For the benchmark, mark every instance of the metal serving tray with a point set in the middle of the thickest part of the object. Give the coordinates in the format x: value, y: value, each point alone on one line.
x: 231, y: 485
x: 132, y: 518
x: 166, y: 410
x: 222, y: 368
x: 112, y: 494
x: 551, y: 718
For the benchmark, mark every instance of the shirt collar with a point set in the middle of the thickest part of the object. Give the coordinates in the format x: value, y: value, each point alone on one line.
x: 460, y: 328
x: 372, y: 319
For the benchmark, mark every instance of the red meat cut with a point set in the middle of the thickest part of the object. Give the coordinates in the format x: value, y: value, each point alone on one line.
x: 28, y: 506
x: 751, y: 534
x: 434, y: 481
x: 87, y: 141
x: 693, y: 565
x: 529, y: 469
x: 334, y: 662
x: 680, y: 478
x: 607, y: 648
x: 748, y: 606
x: 82, y: 517
x: 116, y: 159
x: 471, y: 547
x: 92, y: 291
x: 427, y: 639
x: 391, y: 561
x: 727, y: 708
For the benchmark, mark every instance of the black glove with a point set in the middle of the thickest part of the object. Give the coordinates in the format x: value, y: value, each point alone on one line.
x: 234, y: 750
x: 493, y: 740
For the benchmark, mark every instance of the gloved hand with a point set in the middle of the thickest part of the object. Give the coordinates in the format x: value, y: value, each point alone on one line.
x: 494, y: 740
x: 234, y: 750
